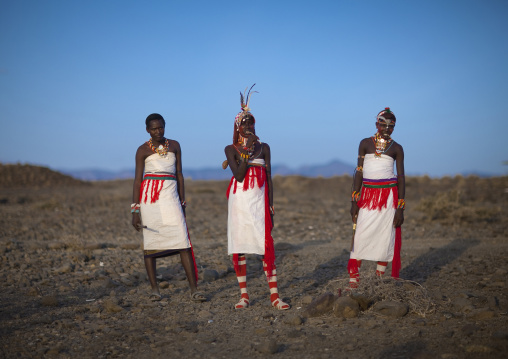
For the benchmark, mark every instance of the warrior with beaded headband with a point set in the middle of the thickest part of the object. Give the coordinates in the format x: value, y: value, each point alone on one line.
x: 159, y: 200
x: 250, y: 203
x: 377, y: 201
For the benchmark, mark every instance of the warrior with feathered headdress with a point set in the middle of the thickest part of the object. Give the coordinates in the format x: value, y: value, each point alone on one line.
x: 250, y: 203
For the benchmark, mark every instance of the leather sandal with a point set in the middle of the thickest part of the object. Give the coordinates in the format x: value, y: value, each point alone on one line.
x: 243, y: 303
x: 280, y: 305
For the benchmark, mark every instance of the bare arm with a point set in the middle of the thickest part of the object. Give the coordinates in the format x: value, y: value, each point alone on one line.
x: 138, y: 177
x: 358, y: 177
x: 268, y: 163
x: 398, y: 220
x: 180, y: 185
x: 237, y: 164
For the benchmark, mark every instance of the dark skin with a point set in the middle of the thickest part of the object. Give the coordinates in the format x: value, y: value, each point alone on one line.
x: 239, y: 166
x: 367, y: 146
x: 156, y: 130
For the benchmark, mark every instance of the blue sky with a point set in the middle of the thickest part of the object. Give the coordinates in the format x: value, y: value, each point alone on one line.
x: 78, y: 78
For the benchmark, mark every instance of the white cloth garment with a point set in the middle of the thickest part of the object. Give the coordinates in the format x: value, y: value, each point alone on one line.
x: 166, y: 225
x: 375, y: 235
x: 246, y: 217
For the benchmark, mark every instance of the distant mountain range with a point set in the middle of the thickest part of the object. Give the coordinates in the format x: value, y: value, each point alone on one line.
x: 333, y: 168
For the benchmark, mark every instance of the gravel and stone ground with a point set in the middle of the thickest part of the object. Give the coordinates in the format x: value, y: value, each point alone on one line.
x: 73, y: 282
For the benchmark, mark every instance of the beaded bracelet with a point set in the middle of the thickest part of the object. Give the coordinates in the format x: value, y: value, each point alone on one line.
x: 359, y: 169
x: 184, y: 204
x: 401, y: 204
x: 355, y: 196
x: 135, y: 207
x: 272, y: 210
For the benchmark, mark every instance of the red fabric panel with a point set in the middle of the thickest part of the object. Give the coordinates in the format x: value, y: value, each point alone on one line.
x: 396, y: 253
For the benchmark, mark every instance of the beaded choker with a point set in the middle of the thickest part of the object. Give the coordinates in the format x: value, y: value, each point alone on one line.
x: 161, y: 150
x: 382, y: 145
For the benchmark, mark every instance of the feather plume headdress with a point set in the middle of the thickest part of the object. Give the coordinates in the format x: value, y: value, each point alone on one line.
x: 244, y: 104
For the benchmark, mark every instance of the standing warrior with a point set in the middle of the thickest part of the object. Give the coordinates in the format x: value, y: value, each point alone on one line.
x: 250, y: 203
x: 160, y: 200
x: 377, y: 207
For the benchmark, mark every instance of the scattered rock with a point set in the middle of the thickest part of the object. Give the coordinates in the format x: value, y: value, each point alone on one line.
x: 92, y: 246
x: 129, y: 245
x: 45, y: 319
x: 293, y: 320
x: 205, y: 314
x: 493, y: 303
x: 49, y: 301
x: 262, y: 332
x: 469, y: 329
x: 111, y: 305
x: 294, y: 333
x: 481, y: 314
x: 319, y: 306
x: 364, y: 301
x: 346, y: 307
x: 307, y: 299
x: 462, y: 305
x: 33, y: 292
x: 267, y: 347
x: 500, y: 334
x: 66, y: 268
x: 476, y: 348
x: 210, y: 275
x: 391, y: 309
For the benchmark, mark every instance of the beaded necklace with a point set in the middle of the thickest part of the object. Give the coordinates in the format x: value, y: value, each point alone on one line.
x: 249, y: 150
x: 161, y: 150
x: 381, y: 144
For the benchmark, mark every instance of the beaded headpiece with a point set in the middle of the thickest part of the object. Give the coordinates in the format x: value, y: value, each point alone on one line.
x: 244, y: 104
x: 386, y: 114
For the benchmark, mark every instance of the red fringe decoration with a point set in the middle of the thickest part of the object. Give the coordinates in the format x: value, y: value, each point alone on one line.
x: 396, y: 253
x: 377, y: 198
x: 258, y: 174
x: 155, y: 191
x: 254, y: 173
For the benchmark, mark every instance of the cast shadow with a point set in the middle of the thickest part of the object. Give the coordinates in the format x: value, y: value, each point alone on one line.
x: 412, y: 349
x: 431, y: 262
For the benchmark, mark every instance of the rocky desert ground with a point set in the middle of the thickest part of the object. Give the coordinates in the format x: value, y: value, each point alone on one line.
x: 73, y: 283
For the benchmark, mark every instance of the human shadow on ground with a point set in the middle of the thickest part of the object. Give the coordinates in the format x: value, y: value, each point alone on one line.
x: 418, y: 270
x: 322, y: 275
x: 431, y: 262
x: 412, y: 349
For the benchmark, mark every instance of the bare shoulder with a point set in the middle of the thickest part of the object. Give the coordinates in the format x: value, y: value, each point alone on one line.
x: 174, y: 144
x: 365, y: 140
x: 144, y: 148
x: 398, y: 147
x: 364, y: 144
x: 229, y: 148
x: 266, y: 145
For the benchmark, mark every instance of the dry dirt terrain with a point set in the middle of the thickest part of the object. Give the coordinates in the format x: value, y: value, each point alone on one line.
x: 73, y: 283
